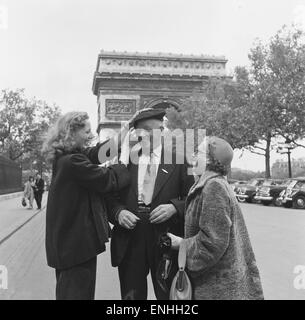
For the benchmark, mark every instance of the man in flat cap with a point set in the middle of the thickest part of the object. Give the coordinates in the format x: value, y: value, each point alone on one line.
x: 142, y: 214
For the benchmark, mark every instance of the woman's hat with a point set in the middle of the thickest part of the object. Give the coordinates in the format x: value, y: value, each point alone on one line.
x: 220, y: 150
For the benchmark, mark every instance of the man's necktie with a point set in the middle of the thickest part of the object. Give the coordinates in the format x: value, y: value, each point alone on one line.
x: 149, y: 181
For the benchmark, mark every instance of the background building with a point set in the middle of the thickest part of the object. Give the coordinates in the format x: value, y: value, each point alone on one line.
x: 126, y: 82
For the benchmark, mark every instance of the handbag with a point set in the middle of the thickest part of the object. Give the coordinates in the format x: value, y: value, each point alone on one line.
x: 181, y: 288
x: 23, y: 202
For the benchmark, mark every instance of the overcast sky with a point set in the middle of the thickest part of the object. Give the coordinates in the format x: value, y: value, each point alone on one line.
x: 50, y: 47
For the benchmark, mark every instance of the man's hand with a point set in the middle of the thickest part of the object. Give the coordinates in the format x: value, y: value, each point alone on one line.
x: 162, y: 213
x: 127, y: 219
x: 176, y: 241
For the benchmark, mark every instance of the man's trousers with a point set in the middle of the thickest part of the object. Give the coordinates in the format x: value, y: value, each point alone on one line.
x: 142, y: 256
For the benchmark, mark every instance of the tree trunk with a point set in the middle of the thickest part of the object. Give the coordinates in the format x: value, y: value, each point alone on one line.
x: 267, y: 157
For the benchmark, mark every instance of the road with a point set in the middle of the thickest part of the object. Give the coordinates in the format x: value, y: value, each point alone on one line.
x: 277, y: 236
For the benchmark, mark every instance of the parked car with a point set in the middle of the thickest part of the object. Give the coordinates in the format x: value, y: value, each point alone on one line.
x: 270, y: 191
x: 247, y: 191
x: 294, y: 194
x: 237, y: 183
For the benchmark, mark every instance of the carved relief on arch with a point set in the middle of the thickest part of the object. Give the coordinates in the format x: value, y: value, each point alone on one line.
x: 115, y: 108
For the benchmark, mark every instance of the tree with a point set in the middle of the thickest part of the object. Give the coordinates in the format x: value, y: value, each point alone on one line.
x: 16, y: 125
x: 287, y: 64
x: 46, y: 115
x: 262, y: 104
x: 277, y: 78
x: 219, y: 108
x: 23, y: 125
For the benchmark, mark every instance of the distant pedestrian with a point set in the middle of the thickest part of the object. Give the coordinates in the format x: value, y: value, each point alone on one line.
x: 38, y: 190
x: 29, y: 191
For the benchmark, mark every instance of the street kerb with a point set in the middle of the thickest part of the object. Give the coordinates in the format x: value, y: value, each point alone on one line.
x: 7, y: 233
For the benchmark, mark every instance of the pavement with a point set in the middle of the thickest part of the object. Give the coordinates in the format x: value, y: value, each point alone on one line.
x: 277, y: 236
x: 11, y: 195
x: 13, y: 215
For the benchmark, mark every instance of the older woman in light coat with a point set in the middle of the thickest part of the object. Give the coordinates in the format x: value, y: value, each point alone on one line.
x: 220, y: 259
x: 28, y: 192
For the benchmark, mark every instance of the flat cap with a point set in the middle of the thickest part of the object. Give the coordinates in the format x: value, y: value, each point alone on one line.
x: 149, y: 113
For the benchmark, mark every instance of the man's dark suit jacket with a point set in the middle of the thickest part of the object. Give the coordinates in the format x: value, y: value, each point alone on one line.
x: 39, y: 184
x: 171, y: 186
x: 76, y: 220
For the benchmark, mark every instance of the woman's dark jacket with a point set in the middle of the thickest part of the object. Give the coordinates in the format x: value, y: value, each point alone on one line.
x: 76, y: 220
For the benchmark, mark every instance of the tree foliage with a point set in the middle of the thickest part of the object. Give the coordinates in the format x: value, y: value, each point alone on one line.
x: 277, y: 78
x: 23, y: 125
x: 219, y: 107
x: 260, y: 105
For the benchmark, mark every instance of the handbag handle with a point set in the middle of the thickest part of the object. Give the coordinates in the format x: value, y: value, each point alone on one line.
x: 182, y: 256
x: 181, y: 264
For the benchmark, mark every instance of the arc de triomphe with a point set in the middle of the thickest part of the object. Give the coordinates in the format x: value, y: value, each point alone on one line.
x: 125, y: 82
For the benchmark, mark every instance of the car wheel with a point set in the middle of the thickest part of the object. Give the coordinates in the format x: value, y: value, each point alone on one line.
x: 287, y: 205
x: 299, y: 202
x: 241, y: 199
x: 266, y: 203
x: 277, y: 202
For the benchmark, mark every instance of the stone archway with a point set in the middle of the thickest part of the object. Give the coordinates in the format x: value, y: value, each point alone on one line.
x: 125, y: 82
x: 163, y: 103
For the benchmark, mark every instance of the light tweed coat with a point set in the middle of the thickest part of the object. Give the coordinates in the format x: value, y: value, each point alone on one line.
x: 220, y: 259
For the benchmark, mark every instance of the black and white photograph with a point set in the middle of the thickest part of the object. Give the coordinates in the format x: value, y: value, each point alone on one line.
x: 152, y: 150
